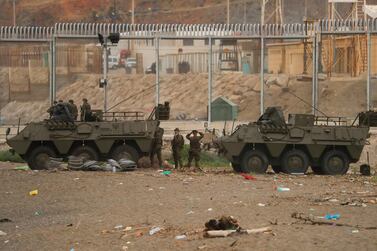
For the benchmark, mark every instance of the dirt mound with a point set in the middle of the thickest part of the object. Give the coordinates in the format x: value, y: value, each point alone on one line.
x: 188, y: 95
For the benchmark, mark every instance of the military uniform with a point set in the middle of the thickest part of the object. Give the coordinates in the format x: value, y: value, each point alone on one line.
x: 177, y: 146
x: 157, y: 145
x: 86, y: 111
x: 51, y: 109
x: 194, y: 152
x: 73, y: 110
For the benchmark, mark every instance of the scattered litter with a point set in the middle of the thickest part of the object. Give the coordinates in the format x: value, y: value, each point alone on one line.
x: 209, y: 209
x: 128, y: 242
x: 332, y: 216
x: 224, y: 223
x: 2, y: 233
x: 128, y: 229
x: 283, y: 189
x: 37, y: 213
x: 121, y: 183
x: 202, y: 247
x: 117, y: 227
x: 166, y: 173
x: 355, y: 231
x: 225, y: 233
x: 124, y: 248
x: 23, y: 168
x: 5, y: 220
x: 248, y: 176
x: 181, y: 237
x: 333, y: 200
x: 365, y: 169
x: 190, y: 212
x: 76, y: 178
x: 150, y: 189
x: 139, y: 234
x: 33, y: 193
x: 6, y: 241
x: 261, y: 204
x: 161, y: 188
x: 154, y: 230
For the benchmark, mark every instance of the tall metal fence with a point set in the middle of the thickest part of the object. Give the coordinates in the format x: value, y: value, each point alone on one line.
x: 312, y: 50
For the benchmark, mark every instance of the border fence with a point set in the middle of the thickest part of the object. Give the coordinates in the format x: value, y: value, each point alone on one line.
x: 311, y: 33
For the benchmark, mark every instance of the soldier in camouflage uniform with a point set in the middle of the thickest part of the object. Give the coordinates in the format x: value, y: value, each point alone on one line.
x: 86, y: 110
x: 51, y: 109
x: 157, y: 145
x: 177, y: 146
x: 194, y: 152
x: 73, y: 109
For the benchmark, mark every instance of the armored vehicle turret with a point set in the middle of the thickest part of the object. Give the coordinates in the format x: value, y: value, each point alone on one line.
x: 327, y: 145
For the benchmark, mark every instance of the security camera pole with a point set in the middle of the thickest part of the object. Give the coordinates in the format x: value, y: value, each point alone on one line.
x: 114, y: 38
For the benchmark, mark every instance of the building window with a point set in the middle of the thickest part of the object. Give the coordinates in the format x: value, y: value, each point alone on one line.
x: 188, y: 42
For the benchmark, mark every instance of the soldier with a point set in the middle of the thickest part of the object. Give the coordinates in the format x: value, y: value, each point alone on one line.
x: 177, y: 146
x: 194, y: 152
x: 86, y: 110
x: 73, y: 109
x: 51, y: 109
x: 157, y: 145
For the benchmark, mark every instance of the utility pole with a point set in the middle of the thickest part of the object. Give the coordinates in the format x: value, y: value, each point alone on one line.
x: 227, y: 11
x: 14, y: 12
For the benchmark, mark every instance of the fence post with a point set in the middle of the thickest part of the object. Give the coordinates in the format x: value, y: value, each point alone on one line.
x: 209, y: 80
x: 314, y: 66
x: 262, y: 77
x: 50, y: 59
x: 157, y: 47
x: 105, y: 65
x: 53, y: 67
x: 369, y: 52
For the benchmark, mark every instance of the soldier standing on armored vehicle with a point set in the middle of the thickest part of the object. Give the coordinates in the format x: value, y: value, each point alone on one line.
x: 177, y: 146
x: 157, y: 145
x: 50, y: 110
x: 86, y: 110
x: 194, y: 152
x: 73, y: 109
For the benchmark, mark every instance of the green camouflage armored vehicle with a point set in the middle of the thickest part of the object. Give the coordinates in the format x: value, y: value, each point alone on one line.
x: 111, y: 135
x: 327, y: 145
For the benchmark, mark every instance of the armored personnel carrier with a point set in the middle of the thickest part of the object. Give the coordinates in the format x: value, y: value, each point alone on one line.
x: 113, y: 135
x: 327, y: 145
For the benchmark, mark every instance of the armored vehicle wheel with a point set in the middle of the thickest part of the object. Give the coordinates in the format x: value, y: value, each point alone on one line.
x: 277, y: 169
x: 254, y: 161
x: 335, y: 162
x: 85, y: 152
x: 38, y: 159
x: 125, y: 152
x: 317, y: 169
x: 236, y: 167
x: 295, y: 161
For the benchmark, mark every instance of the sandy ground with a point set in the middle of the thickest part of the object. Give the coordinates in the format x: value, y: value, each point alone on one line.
x: 188, y: 94
x: 81, y: 210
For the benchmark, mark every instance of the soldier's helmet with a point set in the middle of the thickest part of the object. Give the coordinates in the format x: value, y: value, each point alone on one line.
x: 176, y: 129
x: 84, y: 100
